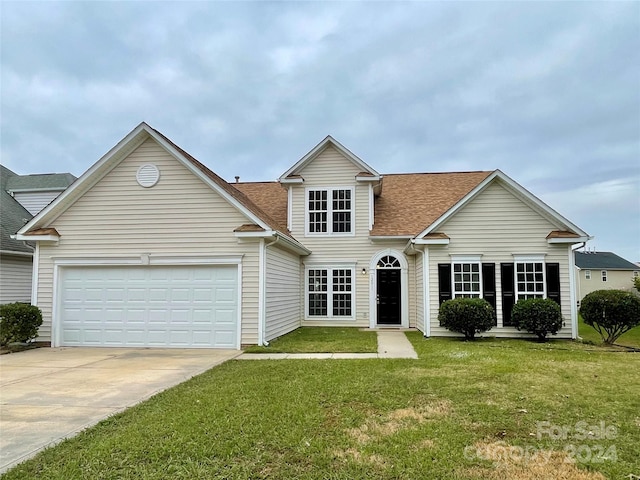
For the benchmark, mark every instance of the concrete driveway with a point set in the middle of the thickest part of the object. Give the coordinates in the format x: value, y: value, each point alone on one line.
x: 49, y: 394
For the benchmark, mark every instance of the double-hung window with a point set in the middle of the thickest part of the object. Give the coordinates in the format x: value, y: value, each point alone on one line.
x: 466, y: 280
x: 529, y: 280
x: 604, y: 275
x: 330, y: 211
x: 587, y: 274
x: 330, y: 292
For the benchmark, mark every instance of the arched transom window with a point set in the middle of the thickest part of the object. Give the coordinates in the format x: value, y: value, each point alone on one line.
x: 388, y: 262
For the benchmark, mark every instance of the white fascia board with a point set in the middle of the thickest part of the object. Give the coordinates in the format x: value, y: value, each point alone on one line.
x: 18, y: 254
x: 292, y: 180
x: 516, y: 189
x: 569, y: 240
x: 375, y: 178
x: 291, y: 243
x: 383, y: 238
x: 263, y: 234
x: 89, y: 178
x: 432, y: 241
x: 37, y: 238
x: 196, y: 171
x: 35, y: 190
x: 315, y: 151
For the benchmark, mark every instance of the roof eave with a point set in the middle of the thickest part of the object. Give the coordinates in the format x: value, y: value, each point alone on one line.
x: 432, y: 241
x: 389, y: 238
x: 292, y: 180
x: 276, y: 236
x: 569, y: 239
x: 37, y: 238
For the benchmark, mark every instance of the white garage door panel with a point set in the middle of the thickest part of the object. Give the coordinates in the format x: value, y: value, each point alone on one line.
x: 168, y: 306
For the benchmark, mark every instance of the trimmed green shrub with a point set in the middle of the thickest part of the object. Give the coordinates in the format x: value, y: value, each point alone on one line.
x: 19, y: 322
x: 541, y: 316
x: 467, y: 316
x: 611, y: 312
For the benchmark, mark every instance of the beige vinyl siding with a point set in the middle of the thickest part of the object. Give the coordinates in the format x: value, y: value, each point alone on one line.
x: 497, y: 225
x: 15, y: 278
x: 332, y: 169
x: 616, y: 279
x: 283, y: 293
x: 180, y: 216
x: 33, y: 202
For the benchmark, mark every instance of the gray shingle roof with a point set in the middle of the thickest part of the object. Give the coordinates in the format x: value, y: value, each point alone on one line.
x: 603, y: 261
x: 39, y: 182
x: 13, y: 216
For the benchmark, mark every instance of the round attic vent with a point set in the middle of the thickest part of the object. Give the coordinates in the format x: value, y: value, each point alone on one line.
x: 148, y: 175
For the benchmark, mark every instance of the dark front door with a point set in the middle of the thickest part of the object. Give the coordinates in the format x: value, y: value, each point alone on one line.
x: 388, y: 296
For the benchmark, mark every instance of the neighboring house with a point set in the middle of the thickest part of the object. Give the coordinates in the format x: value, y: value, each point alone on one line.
x: 22, y: 196
x: 603, y: 271
x: 151, y: 248
x: 36, y: 191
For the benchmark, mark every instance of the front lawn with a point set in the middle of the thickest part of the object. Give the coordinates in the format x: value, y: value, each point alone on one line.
x: 322, y: 340
x: 464, y: 410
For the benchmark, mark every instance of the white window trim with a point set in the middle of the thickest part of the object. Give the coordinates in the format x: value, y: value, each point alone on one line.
x: 329, y: 232
x: 453, y: 279
x: 587, y: 274
x: 529, y: 259
x: 604, y: 276
x: 330, y: 292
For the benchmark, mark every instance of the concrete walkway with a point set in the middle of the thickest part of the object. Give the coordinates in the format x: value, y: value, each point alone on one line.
x: 391, y: 344
x: 49, y: 394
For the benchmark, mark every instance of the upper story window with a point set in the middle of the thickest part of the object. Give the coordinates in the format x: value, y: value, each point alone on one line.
x: 529, y: 280
x: 330, y: 211
x: 604, y: 275
x: 587, y: 274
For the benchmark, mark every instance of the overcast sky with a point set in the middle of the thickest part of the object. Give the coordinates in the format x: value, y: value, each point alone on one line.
x: 547, y: 92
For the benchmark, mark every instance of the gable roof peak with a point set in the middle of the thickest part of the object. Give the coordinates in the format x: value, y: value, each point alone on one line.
x: 318, y: 149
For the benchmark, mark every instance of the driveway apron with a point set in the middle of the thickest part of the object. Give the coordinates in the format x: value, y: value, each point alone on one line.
x: 49, y: 394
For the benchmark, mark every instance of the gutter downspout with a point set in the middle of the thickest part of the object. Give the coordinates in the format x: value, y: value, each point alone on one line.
x: 573, y: 285
x: 426, y: 310
x: 262, y: 296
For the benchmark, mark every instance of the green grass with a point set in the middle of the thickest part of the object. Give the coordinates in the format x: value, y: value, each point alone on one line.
x: 322, y: 340
x: 363, y: 419
x: 589, y: 334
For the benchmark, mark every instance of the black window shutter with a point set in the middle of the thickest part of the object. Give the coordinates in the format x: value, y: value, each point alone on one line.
x: 444, y: 282
x: 553, y: 281
x: 489, y: 283
x: 508, y: 292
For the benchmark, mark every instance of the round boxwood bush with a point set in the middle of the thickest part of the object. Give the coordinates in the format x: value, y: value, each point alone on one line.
x: 611, y: 312
x: 467, y: 316
x: 541, y: 316
x: 19, y: 322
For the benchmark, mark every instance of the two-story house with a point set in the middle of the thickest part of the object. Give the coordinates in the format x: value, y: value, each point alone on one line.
x: 151, y: 248
x: 603, y: 271
x: 21, y: 197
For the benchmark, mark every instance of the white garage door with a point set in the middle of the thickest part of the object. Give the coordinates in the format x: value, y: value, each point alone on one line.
x: 168, y: 306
